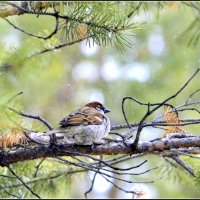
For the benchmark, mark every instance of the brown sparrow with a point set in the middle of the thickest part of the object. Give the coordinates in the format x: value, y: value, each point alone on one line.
x: 85, y: 126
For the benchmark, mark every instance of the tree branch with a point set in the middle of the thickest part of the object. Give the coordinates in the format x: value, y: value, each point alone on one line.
x: 33, y: 35
x: 60, y: 46
x: 6, y: 191
x: 154, y: 147
x: 47, y: 124
x: 184, y: 165
x: 10, y: 169
x: 19, y: 8
x: 149, y: 111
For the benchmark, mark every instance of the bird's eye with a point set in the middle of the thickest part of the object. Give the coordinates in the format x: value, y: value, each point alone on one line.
x: 101, y: 107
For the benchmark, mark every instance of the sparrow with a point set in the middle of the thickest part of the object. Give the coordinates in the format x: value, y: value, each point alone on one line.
x: 86, y: 125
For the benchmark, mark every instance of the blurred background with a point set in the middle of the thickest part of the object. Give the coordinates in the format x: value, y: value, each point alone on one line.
x: 55, y: 83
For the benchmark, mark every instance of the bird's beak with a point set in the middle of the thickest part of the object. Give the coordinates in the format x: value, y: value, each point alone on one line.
x: 106, y: 110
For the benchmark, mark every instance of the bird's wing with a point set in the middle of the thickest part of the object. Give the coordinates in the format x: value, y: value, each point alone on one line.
x: 82, y: 117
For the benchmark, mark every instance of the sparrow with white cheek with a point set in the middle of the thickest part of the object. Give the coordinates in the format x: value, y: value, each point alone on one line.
x: 85, y: 126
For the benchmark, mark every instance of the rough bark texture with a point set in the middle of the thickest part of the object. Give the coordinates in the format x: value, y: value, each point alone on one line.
x: 42, y: 151
x: 9, y: 10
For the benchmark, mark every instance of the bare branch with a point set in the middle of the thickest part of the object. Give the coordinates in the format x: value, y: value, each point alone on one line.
x: 128, y: 191
x: 161, y: 104
x: 185, y: 122
x: 92, y: 185
x: 14, y: 97
x: 106, y: 164
x: 46, y: 178
x: 149, y: 112
x: 114, y: 170
x: 5, y: 176
x: 23, y: 182
x: 94, y: 169
x: 37, y: 36
x: 190, y: 97
x: 183, y: 165
x: 12, y: 195
x: 33, y: 117
x: 38, y: 167
x: 59, y: 46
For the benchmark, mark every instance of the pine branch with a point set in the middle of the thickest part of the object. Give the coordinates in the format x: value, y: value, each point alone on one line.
x: 24, y: 184
x: 108, y: 27
x: 185, y: 166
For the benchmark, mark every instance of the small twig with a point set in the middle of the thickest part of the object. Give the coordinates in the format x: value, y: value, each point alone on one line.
x: 5, y: 176
x: 135, y: 9
x: 47, y: 178
x: 170, y: 162
x: 1, y: 187
x: 92, y: 168
x: 106, y: 164
x: 33, y: 35
x: 125, y: 158
x: 32, y: 192
x: 115, y: 185
x: 128, y: 191
x: 14, y: 97
x: 149, y: 112
x: 186, y: 109
x: 190, y: 97
x: 113, y: 171
x: 33, y: 117
x: 59, y: 46
x: 184, y: 122
x: 92, y: 184
x: 74, y: 19
x: 38, y: 167
x: 183, y: 165
x: 188, y: 104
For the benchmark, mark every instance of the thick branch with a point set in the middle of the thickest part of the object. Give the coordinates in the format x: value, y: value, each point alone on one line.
x: 11, y: 10
x: 154, y: 147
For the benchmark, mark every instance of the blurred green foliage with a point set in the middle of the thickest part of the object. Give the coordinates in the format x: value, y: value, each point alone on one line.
x: 57, y: 82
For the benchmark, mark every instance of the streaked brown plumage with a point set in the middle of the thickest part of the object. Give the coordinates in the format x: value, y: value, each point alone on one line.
x: 86, y: 125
